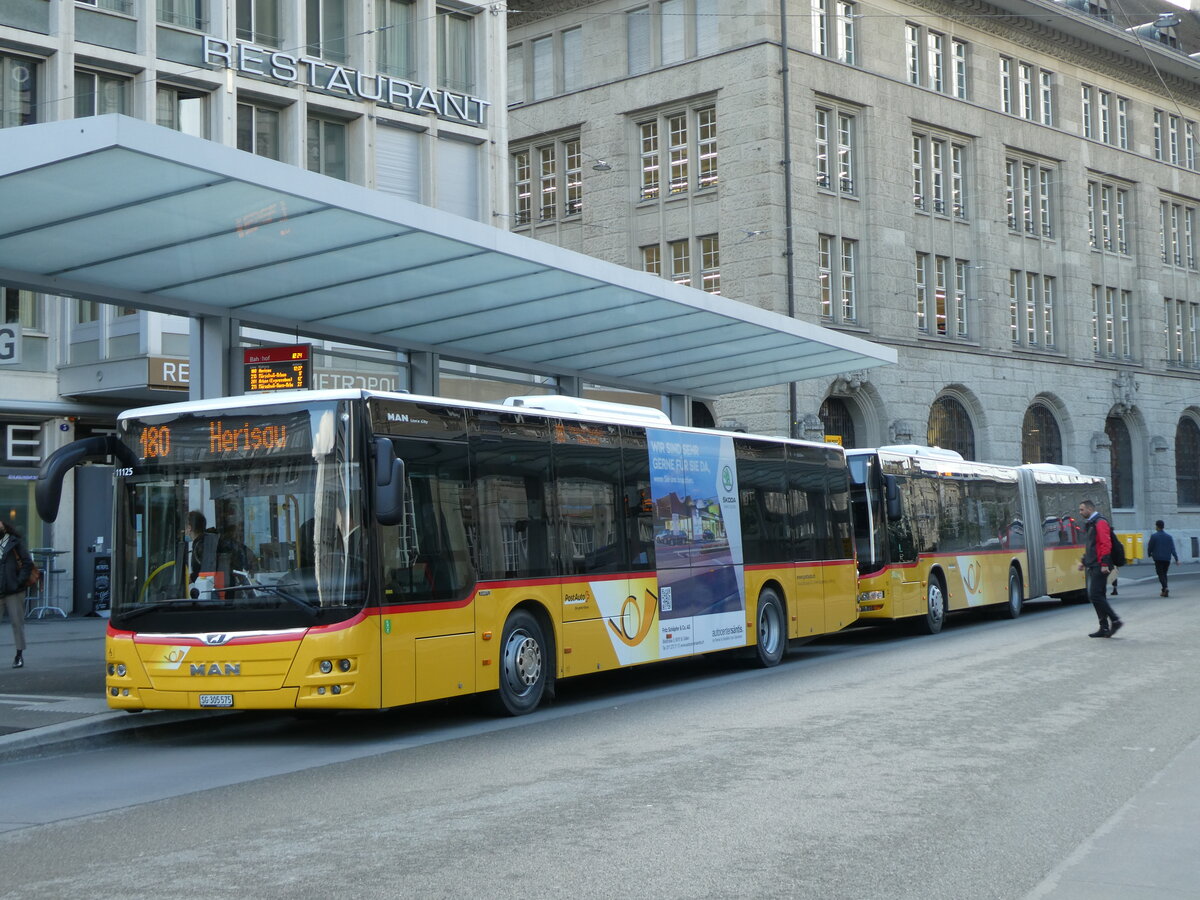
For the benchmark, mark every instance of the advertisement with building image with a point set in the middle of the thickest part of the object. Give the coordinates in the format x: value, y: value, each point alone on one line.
x: 698, y: 547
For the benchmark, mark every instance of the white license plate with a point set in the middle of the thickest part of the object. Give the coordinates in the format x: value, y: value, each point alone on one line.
x: 219, y: 701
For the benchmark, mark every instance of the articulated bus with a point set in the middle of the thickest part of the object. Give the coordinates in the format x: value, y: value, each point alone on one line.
x: 936, y: 533
x: 369, y: 550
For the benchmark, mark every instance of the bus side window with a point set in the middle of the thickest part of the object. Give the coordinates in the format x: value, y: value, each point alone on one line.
x: 639, y: 502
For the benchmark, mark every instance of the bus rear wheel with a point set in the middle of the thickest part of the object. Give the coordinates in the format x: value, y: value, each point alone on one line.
x: 935, y: 607
x: 1016, y: 599
x: 523, y: 665
x: 772, y: 640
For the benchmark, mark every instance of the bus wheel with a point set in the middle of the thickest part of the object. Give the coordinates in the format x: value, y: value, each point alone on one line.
x: 523, y: 662
x: 772, y: 629
x: 935, y: 608
x: 1016, y: 601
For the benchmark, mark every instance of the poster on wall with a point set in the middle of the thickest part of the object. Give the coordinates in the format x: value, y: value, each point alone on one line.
x: 698, y: 542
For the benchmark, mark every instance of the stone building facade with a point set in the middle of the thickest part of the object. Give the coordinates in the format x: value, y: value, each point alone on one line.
x: 1005, y: 192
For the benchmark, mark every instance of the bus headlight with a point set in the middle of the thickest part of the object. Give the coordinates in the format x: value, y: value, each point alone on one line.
x: 326, y: 667
x: 344, y: 665
x: 121, y: 670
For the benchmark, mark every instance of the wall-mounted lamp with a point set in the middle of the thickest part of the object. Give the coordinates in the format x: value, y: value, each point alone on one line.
x: 601, y: 166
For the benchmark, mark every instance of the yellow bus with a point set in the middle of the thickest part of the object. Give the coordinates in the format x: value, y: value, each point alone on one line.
x: 936, y: 533
x: 360, y: 549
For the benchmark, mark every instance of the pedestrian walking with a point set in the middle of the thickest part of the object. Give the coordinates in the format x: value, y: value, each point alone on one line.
x: 1161, y: 549
x: 1096, y: 562
x: 15, y: 567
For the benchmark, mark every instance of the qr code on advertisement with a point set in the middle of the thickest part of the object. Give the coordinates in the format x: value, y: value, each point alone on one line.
x: 665, y: 600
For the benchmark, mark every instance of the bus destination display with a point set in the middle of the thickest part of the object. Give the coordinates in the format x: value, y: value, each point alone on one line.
x: 277, y: 368
x: 195, y: 441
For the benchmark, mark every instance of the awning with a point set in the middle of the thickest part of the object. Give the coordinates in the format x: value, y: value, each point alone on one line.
x: 117, y: 210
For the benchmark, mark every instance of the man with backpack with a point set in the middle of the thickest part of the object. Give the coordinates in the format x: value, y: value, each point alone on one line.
x: 1097, y: 560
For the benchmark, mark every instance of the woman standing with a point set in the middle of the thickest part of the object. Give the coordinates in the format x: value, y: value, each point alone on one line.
x: 15, y: 566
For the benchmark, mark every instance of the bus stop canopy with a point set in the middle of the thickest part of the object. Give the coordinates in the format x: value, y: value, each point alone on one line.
x: 116, y: 210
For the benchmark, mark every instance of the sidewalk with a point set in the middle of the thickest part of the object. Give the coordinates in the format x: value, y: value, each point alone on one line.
x: 59, y: 696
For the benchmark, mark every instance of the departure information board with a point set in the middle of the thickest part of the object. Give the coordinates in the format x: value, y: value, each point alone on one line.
x: 277, y: 368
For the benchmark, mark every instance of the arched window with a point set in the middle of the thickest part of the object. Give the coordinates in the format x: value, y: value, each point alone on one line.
x: 1041, y: 441
x: 835, y: 416
x: 1121, y: 477
x: 950, y: 427
x: 1187, y: 463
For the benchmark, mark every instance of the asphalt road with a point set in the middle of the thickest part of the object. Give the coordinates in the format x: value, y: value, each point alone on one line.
x: 998, y: 759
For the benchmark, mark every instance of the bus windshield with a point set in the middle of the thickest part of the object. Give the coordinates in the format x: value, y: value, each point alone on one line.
x: 870, y: 524
x: 236, y: 523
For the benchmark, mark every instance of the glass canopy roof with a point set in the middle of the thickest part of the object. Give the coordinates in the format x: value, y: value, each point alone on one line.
x: 117, y: 210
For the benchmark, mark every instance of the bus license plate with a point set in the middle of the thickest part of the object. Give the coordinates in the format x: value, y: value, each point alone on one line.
x: 218, y: 701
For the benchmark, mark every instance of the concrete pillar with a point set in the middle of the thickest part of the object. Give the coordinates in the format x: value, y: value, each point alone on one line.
x: 423, y: 373
x: 210, y: 350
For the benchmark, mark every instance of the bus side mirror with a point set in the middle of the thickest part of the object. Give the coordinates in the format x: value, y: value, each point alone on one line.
x: 891, y: 490
x: 389, y: 484
x: 47, y: 492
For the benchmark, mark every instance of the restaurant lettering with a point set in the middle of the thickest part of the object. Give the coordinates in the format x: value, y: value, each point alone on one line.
x: 323, y: 76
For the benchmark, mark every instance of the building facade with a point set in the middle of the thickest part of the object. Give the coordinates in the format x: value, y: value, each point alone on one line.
x: 1005, y: 192
x: 402, y: 96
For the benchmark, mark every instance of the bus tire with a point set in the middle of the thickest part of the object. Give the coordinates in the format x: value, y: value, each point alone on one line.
x: 1016, y: 595
x: 771, y: 639
x: 524, y: 665
x: 935, y: 607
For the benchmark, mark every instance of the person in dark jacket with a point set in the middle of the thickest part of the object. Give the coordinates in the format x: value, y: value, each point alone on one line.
x: 1161, y: 549
x: 1096, y: 563
x: 15, y: 566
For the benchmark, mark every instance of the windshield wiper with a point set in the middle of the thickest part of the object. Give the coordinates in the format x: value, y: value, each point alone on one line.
x: 168, y: 604
x: 278, y: 592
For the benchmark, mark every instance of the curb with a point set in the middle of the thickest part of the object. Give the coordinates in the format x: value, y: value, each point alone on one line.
x: 92, y: 731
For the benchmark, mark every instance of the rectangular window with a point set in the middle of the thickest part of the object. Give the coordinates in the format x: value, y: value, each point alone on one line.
x: 258, y: 130
x: 543, y: 67
x: 1110, y: 336
x: 1173, y: 139
x: 912, y: 52
x: 258, y: 22
x: 1048, y: 300
x: 574, y: 172
x: 1123, y: 123
x: 1105, y: 99
x: 677, y: 153
x: 1124, y: 324
x: 547, y: 183
x: 823, y: 149
x: 22, y: 308
x: 1086, y: 111
x: 940, y: 275
x: 845, y: 153
x: 187, y: 13
x: 706, y: 145
x: 920, y: 200
x: 1158, y: 134
x: 710, y: 264
x: 395, y: 34
x: 922, y: 286
x: 959, y: 50
x: 1025, y: 91
x: 572, y: 59
x: 708, y: 23
x: 1031, y: 309
x: 516, y: 74
x: 456, y: 50
x: 849, y: 266
x: 637, y: 34
x: 672, y: 36
x: 836, y: 19
x: 326, y: 147
x: 958, y: 193
x: 1014, y: 306
x: 1046, y: 81
x: 1029, y: 197
x: 652, y: 259
x: 1006, y: 95
x: 681, y: 261
x: 936, y: 65
x: 1096, y: 319
x: 522, y: 187
x: 650, y: 163
x: 18, y: 91
x: 691, y: 135
x: 937, y: 174
x: 182, y: 110
x: 825, y: 274
x: 97, y: 94
x: 960, y: 298
x: 325, y: 29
